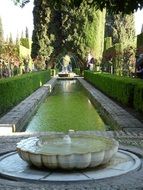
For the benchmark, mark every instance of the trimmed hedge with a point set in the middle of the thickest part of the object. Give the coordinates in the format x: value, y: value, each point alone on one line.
x: 14, y: 90
x: 127, y: 91
x: 138, y: 97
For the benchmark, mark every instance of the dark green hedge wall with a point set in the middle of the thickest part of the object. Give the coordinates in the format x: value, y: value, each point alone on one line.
x: 138, y: 97
x: 125, y: 90
x: 15, y: 89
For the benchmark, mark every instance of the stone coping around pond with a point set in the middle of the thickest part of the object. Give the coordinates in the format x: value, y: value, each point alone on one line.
x: 16, y: 118
x: 113, y: 114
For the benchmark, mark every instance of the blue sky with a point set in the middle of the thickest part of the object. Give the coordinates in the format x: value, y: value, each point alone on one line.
x: 16, y: 19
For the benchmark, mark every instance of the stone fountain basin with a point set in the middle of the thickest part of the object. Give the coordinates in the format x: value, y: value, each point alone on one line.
x: 84, y: 151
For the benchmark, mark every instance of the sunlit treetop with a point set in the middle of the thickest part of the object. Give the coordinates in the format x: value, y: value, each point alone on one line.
x: 114, y: 6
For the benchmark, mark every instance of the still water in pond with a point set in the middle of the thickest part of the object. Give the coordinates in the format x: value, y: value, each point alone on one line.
x: 68, y: 107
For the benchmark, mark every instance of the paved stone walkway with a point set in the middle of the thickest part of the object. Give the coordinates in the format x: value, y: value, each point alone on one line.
x: 130, y: 138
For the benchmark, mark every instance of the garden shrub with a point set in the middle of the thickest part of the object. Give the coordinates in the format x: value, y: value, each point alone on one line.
x: 138, y: 97
x: 13, y: 90
x: 127, y: 91
x: 78, y: 71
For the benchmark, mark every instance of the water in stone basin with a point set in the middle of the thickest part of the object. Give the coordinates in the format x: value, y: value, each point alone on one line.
x: 76, y: 152
x: 67, y: 145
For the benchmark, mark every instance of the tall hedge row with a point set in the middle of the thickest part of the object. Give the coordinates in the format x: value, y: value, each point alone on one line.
x: 138, y: 97
x: 125, y: 90
x: 15, y: 89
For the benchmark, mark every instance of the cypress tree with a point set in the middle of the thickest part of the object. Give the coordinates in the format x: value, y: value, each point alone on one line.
x: 58, y: 28
x: 47, y: 28
x: 24, y: 41
x: 26, y: 33
x: 10, y: 38
x: 121, y: 28
x: 83, y: 30
x: 1, y: 35
x: 17, y: 39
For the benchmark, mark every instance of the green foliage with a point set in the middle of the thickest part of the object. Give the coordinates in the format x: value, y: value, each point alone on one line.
x: 10, y: 50
x: 39, y: 63
x: 1, y: 33
x: 10, y: 40
x: 121, y: 28
x: 25, y: 42
x: 107, y: 43
x: 129, y: 61
x: 125, y: 90
x: 14, y: 90
x: 78, y: 71
x: 63, y: 30
x: 83, y: 33
x: 113, y: 56
x: 138, y: 97
x: 46, y: 28
x: 118, y: 59
x: 114, y: 6
x: 26, y: 33
x: 139, y: 43
x: 24, y: 52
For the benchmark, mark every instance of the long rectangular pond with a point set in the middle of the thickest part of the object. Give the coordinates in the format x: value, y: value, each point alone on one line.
x: 67, y: 107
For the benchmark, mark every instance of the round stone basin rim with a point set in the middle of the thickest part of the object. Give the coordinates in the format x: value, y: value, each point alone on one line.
x: 55, y: 145
x: 80, y: 152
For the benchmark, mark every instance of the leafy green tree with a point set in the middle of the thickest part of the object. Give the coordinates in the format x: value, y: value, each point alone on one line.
x: 44, y: 34
x: 121, y: 28
x: 59, y: 28
x: 85, y: 32
x: 125, y: 6
x: 24, y: 40
x: 1, y: 36
x: 1, y: 33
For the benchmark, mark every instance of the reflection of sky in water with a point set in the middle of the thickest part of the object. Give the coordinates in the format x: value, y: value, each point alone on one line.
x: 68, y: 107
x: 67, y: 85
